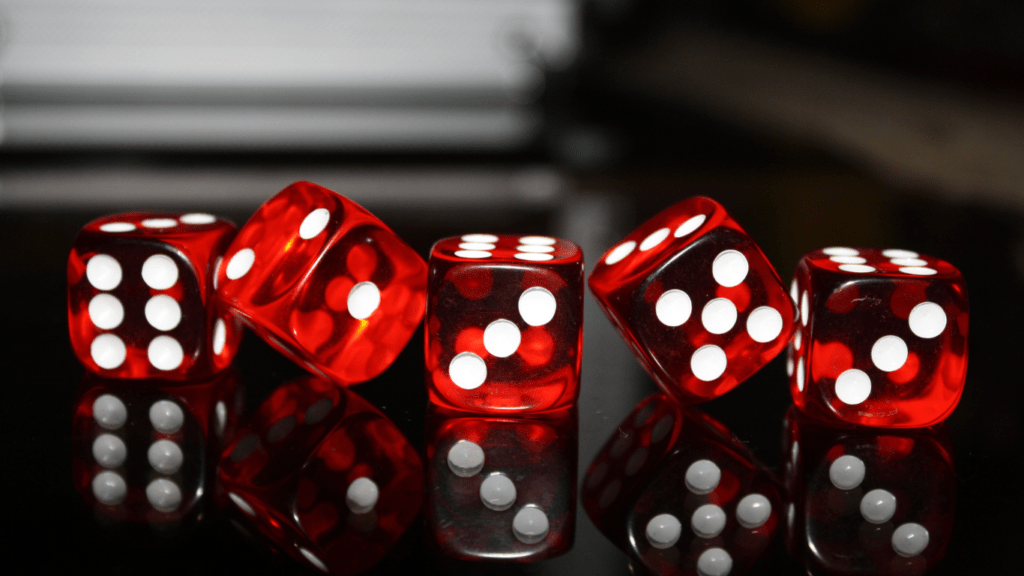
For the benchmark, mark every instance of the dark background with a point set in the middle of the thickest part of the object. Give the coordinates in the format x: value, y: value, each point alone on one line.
x: 883, y: 124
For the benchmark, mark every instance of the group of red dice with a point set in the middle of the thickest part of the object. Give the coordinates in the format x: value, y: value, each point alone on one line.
x: 876, y: 338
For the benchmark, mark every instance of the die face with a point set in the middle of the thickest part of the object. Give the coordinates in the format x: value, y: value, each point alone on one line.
x: 468, y: 457
x: 856, y: 494
x: 881, y: 347
x: 677, y: 493
x: 140, y: 299
x: 504, y: 323
x: 325, y: 282
x: 695, y: 299
x: 147, y: 454
x: 324, y: 476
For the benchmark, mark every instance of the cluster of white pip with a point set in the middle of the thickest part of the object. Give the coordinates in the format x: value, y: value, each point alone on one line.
x: 878, y: 506
x: 890, y: 352
x: 719, y: 315
x: 708, y: 520
x: 530, y: 248
x: 162, y: 312
x: 498, y: 492
x: 165, y: 456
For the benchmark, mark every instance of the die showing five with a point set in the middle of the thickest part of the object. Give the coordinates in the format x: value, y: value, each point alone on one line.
x: 696, y: 300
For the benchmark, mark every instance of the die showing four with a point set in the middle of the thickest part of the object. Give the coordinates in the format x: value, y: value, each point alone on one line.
x: 882, y: 337
x: 696, y: 300
x: 504, y: 323
x: 141, y: 296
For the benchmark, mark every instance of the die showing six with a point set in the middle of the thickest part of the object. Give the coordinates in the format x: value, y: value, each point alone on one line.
x: 141, y: 296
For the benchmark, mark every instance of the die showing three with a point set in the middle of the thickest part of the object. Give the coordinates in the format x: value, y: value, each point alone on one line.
x: 882, y: 338
x: 504, y: 323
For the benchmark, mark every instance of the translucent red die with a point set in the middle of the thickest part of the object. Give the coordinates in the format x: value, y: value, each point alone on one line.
x: 148, y: 453
x: 141, y: 296
x: 325, y: 282
x: 501, y: 488
x: 868, y: 502
x: 504, y: 328
x: 695, y: 299
x: 324, y: 477
x: 882, y: 337
x: 676, y: 492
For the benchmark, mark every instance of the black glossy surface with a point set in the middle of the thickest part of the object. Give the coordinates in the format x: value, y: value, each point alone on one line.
x: 788, y: 212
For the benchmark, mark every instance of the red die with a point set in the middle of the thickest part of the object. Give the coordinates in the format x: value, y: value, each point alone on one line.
x: 325, y: 282
x: 324, y: 476
x: 148, y: 453
x: 680, y: 495
x: 863, y: 502
x: 882, y: 339
x: 504, y: 323
x: 502, y: 488
x: 141, y: 296
x: 696, y: 300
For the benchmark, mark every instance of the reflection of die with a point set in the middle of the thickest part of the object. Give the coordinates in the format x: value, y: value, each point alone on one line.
x: 147, y: 454
x: 863, y: 502
x: 675, y: 491
x: 504, y: 323
x: 502, y: 488
x: 695, y: 299
x: 882, y: 337
x: 324, y: 476
x: 141, y: 296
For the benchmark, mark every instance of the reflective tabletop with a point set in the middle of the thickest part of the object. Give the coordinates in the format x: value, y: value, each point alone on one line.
x: 623, y: 447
